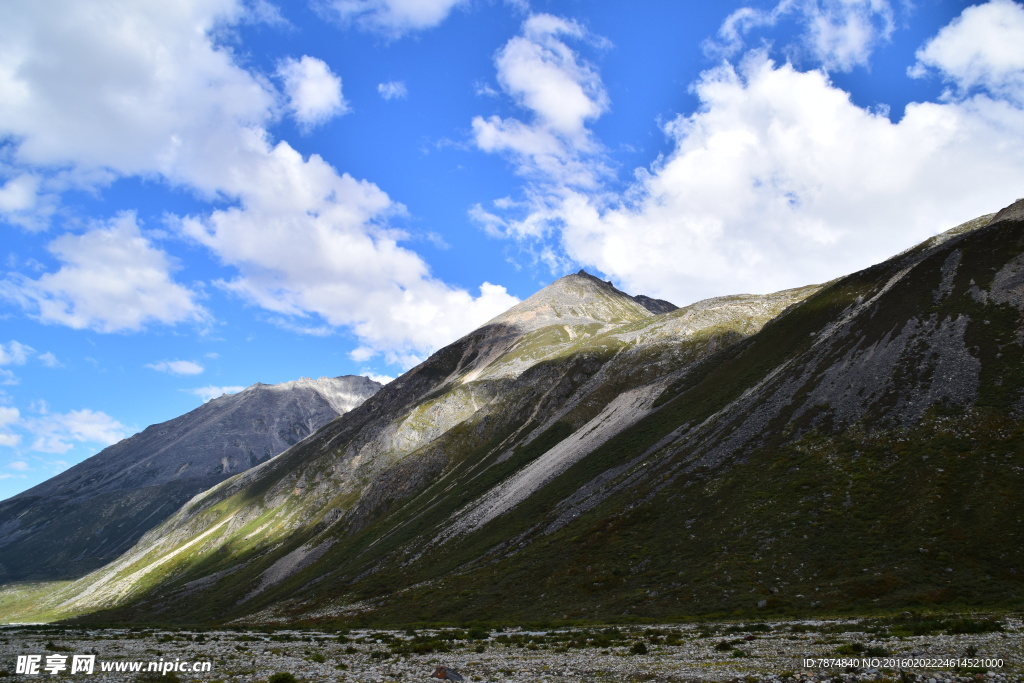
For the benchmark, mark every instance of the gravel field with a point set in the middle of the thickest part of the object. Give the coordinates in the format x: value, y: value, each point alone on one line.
x: 856, y: 650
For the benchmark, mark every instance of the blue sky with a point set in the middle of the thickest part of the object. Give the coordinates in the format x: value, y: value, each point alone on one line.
x: 197, y: 196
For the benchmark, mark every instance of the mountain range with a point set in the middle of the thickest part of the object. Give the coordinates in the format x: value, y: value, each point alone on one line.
x: 590, y: 455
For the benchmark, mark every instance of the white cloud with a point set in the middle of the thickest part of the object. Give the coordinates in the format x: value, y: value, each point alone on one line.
x: 49, y: 360
x: 777, y: 180
x: 392, y: 17
x: 264, y: 12
x: 554, y: 150
x: 15, y: 353
x: 837, y: 34
x: 8, y: 418
x: 19, y: 465
x: 383, y: 379
x: 393, y: 90
x: 211, y: 392
x: 177, y: 367
x: 139, y: 87
x: 111, y: 279
x: 544, y: 75
x: 58, y: 432
x: 981, y: 47
x: 19, y: 193
x: 132, y: 86
x: 314, y: 92
x: 309, y: 241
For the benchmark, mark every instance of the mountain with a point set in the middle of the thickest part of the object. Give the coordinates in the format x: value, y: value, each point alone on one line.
x: 570, y: 366
x: 91, y: 513
x: 854, y: 446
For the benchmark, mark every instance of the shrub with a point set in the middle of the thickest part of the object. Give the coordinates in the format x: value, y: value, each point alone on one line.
x: 850, y: 649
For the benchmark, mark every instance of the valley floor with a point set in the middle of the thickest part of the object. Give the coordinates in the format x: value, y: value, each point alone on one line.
x: 856, y: 650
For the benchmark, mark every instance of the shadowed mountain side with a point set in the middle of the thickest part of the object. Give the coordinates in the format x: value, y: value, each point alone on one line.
x: 91, y: 513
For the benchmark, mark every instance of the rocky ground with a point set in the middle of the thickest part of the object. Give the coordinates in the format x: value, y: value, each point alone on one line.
x: 856, y: 650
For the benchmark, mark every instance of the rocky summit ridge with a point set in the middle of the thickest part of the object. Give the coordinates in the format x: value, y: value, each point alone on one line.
x: 92, y: 512
x: 851, y: 446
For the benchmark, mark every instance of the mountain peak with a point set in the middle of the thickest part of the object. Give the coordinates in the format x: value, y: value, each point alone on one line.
x: 580, y: 299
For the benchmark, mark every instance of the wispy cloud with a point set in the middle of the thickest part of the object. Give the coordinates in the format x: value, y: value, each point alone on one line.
x: 177, y: 367
x: 15, y: 353
x: 835, y: 34
x: 59, y: 432
x: 393, y: 18
x: 393, y: 90
x: 8, y: 418
x: 554, y: 149
x: 49, y: 360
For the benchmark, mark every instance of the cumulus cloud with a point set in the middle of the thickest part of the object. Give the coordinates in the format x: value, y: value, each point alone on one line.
x: 177, y: 367
x: 391, y: 17
x: 314, y: 92
x: 59, y: 432
x: 392, y: 90
x: 980, y: 48
x: 211, y: 392
x: 111, y: 279
x: 545, y: 76
x: 133, y: 88
x: 307, y: 240
x: 837, y: 34
x: 779, y: 180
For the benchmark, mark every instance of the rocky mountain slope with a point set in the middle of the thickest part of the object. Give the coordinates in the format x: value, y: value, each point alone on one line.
x: 88, y: 515
x: 854, y: 446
